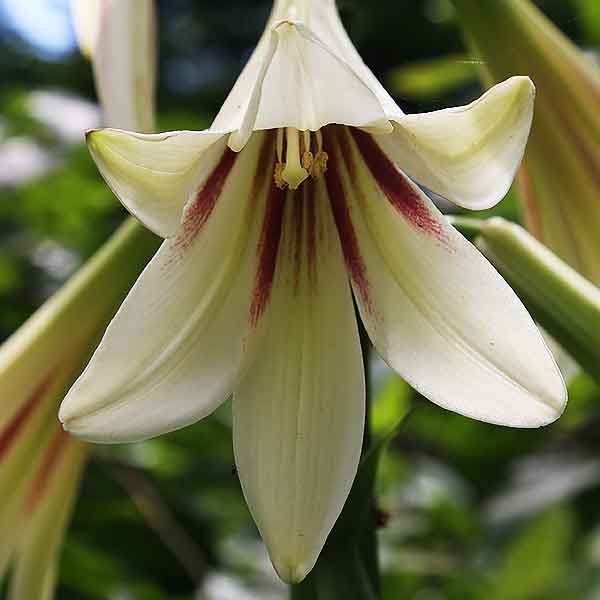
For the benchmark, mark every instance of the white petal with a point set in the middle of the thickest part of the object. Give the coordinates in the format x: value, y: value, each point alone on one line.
x: 469, y: 155
x: 86, y: 22
x: 299, y: 412
x: 155, y: 176
x: 172, y: 352
x: 120, y: 36
x: 295, y: 76
x: 435, y: 309
x: 48, y: 508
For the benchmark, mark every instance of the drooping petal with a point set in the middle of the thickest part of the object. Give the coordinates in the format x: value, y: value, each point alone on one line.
x: 299, y: 411
x: 19, y: 460
x: 469, y: 155
x: 86, y: 22
x: 120, y: 37
x: 295, y: 76
x: 47, y: 510
x: 156, y: 175
x: 172, y: 352
x: 435, y: 309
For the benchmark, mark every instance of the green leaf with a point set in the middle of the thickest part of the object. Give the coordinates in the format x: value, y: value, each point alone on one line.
x: 534, y: 564
x: 429, y: 79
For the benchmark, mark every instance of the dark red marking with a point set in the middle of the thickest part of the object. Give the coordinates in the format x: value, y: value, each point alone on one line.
x: 343, y: 219
x: 11, y: 431
x: 401, y: 193
x: 45, y: 471
x: 200, y: 210
x: 268, y: 249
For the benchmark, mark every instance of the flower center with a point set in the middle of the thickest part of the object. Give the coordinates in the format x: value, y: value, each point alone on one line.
x: 304, y: 157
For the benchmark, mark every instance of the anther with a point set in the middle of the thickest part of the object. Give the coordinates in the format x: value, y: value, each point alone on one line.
x: 278, y: 176
x: 308, y: 160
x: 319, y: 166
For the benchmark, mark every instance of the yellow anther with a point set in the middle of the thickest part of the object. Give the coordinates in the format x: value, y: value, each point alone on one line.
x: 308, y: 160
x: 278, y: 176
x: 319, y: 167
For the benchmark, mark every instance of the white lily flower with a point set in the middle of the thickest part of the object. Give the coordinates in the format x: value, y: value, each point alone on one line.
x: 303, y: 185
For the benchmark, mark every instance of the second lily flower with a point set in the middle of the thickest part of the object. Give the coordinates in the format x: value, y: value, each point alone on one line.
x: 301, y: 192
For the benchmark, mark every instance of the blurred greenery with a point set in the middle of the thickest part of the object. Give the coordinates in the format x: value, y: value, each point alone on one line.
x: 467, y: 511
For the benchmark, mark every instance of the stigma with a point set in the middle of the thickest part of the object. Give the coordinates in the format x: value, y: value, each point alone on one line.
x: 300, y: 156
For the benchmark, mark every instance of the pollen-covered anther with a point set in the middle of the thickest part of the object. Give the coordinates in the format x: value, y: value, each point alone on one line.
x: 308, y: 160
x: 278, y: 176
x: 319, y: 166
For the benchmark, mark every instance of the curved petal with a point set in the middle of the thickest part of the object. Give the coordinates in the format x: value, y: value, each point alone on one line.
x: 120, y: 37
x: 293, y: 80
x: 156, y: 175
x: 299, y: 412
x: 86, y: 22
x: 47, y: 509
x: 435, y: 309
x: 469, y: 155
x: 171, y: 354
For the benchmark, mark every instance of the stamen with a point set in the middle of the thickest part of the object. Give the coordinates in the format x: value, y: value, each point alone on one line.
x: 306, y: 134
x: 319, y: 137
x: 293, y: 173
x: 280, y: 145
x: 300, y: 161
x: 280, y: 182
x: 319, y: 167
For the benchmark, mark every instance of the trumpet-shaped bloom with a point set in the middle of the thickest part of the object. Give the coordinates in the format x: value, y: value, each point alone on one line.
x: 559, y: 181
x: 300, y: 197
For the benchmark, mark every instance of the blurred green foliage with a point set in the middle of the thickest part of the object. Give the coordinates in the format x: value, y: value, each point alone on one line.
x: 467, y: 511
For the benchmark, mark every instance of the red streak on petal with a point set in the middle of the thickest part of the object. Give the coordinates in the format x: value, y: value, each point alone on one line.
x: 200, y: 210
x: 401, y: 193
x: 45, y: 471
x: 11, y: 431
x: 268, y: 248
x: 343, y: 220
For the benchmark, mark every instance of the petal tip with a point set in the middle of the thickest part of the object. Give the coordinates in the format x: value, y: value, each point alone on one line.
x: 292, y: 571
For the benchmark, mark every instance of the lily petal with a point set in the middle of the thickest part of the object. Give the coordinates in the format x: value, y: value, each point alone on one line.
x: 86, y: 22
x: 172, y: 352
x: 120, y: 37
x: 156, y: 175
x: 48, y: 509
x: 436, y: 310
x: 299, y: 412
x: 293, y: 80
x: 470, y: 154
